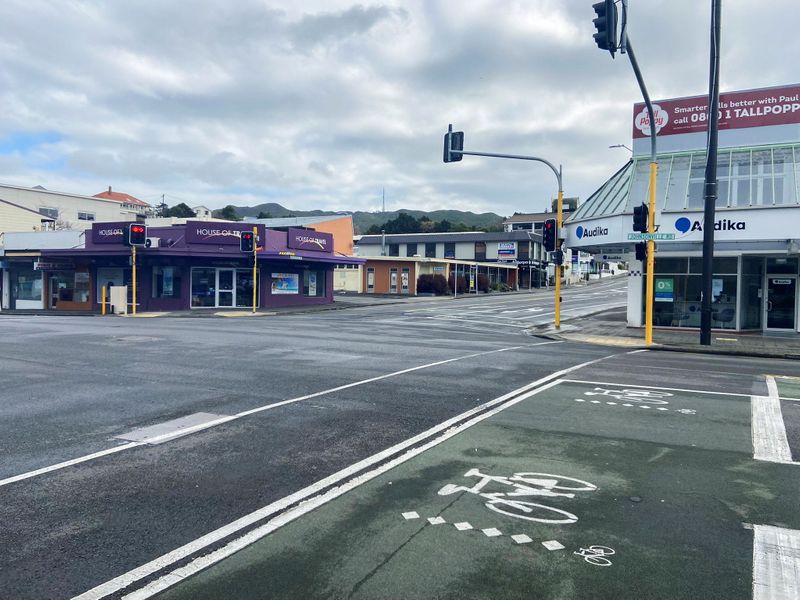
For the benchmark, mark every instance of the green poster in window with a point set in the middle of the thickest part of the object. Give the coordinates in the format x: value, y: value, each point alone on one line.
x: 664, y: 290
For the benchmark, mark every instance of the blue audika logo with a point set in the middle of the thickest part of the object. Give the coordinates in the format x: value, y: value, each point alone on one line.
x: 579, y: 231
x: 683, y: 225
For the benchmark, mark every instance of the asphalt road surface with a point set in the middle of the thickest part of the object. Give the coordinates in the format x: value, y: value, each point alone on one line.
x: 141, y: 454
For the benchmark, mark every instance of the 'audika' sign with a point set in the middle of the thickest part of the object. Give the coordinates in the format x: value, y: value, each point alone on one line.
x: 597, y: 231
x: 686, y: 226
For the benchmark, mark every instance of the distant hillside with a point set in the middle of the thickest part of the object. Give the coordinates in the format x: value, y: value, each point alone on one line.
x: 363, y: 220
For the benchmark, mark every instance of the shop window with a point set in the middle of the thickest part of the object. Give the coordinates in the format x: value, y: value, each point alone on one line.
x: 480, y: 250
x: 28, y: 285
x: 204, y: 287
x: 740, y: 179
x: 411, y: 249
x: 782, y: 266
x: 523, y: 250
x: 678, y: 180
x: 314, y: 283
x: 244, y: 288
x: 720, y: 265
x: 166, y: 282
x: 697, y: 173
x: 370, y: 279
x: 430, y: 250
x: 449, y: 250
x: 670, y: 264
x: 394, y: 249
x: 751, y: 306
x: 85, y: 216
x: 783, y: 170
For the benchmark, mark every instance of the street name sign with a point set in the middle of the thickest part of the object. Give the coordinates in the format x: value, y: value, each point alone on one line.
x: 651, y: 236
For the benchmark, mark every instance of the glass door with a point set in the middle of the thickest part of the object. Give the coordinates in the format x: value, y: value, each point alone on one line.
x: 225, y: 288
x: 781, y: 304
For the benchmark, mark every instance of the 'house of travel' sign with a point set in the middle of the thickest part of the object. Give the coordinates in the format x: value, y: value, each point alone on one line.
x: 218, y: 234
x: 308, y: 239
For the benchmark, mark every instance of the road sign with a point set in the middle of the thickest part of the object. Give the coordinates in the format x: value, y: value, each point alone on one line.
x: 651, y: 236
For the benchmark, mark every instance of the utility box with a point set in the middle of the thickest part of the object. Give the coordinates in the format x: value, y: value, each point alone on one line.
x: 118, y: 298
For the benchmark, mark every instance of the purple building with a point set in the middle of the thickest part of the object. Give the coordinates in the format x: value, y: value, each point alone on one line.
x: 198, y: 265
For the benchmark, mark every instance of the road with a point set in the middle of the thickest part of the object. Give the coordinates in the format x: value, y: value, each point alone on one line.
x: 140, y: 451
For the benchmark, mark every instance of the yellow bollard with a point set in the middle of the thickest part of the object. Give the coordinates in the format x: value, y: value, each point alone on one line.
x: 103, y: 301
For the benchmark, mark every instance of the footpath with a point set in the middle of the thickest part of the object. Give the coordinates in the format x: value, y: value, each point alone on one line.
x: 608, y: 328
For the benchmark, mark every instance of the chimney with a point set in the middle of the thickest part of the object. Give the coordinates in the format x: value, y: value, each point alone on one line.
x: 109, y: 189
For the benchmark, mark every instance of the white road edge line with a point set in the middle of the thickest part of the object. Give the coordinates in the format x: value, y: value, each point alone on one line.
x: 768, y: 430
x: 202, y: 426
x: 69, y: 463
x: 776, y: 563
x: 654, y: 387
x: 127, y: 579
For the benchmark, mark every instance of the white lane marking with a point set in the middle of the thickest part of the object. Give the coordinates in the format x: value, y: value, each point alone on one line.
x: 127, y: 579
x: 653, y: 387
x: 158, y: 439
x: 410, y: 515
x: 491, y: 532
x: 521, y: 538
x: 69, y: 463
x: 174, y: 427
x: 459, y: 319
x: 768, y: 430
x: 553, y: 545
x: 776, y: 563
x: 463, y: 526
x: 436, y: 520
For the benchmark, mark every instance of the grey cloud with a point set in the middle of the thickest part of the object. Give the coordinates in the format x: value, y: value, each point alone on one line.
x: 315, y: 29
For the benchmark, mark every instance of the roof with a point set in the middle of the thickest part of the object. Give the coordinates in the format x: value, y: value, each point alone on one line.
x: 465, y: 236
x: 530, y: 217
x: 121, y: 197
x: 294, y: 221
x: 30, y: 210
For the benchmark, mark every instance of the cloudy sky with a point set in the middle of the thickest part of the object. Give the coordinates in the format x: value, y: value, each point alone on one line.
x: 322, y: 104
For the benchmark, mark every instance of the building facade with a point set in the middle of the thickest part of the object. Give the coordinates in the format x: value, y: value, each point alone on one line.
x: 756, y: 237
x: 194, y: 266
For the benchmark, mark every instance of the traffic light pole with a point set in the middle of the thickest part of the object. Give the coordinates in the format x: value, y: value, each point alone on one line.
x: 557, y: 172
x: 255, y: 269
x: 651, y: 219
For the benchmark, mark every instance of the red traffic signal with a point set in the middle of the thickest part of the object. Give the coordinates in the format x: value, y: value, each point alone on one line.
x: 246, y: 241
x: 549, y: 235
x: 137, y: 234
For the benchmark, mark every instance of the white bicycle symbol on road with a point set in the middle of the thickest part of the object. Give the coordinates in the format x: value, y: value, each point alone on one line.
x: 596, y: 555
x: 628, y: 395
x: 525, y: 485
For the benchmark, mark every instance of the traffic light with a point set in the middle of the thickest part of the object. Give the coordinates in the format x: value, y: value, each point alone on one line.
x: 640, y: 215
x: 641, y: 251
x: 558, y: 257
x: 453, y: 140
x: 606, y: 25
x: 549, y: 235
x: 137, y: 234
x: 246, y: 241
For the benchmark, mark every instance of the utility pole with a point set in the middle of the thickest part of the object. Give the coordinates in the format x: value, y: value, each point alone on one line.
x: 711, y: 175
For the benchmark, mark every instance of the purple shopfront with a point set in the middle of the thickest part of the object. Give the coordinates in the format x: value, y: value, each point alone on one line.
x: 199, y: 265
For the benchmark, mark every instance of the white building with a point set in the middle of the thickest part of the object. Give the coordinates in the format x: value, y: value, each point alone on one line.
x: 756, y: 238
x: 69, y: 211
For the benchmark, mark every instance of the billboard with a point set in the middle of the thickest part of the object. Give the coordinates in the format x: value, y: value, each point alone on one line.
x: 737, y: 110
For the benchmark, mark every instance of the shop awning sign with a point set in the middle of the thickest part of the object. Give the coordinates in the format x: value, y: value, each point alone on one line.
x: 651, y: 236
x: 53, y: 266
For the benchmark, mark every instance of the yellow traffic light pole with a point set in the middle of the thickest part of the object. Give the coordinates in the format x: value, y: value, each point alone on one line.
x: 255, y: 270
x: 133, y: 268
x: 560, y: 223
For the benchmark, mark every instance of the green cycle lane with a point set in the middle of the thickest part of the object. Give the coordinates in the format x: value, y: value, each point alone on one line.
x: 582, y: 490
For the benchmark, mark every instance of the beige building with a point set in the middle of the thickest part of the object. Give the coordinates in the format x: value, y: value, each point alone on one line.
x: 18, y: 218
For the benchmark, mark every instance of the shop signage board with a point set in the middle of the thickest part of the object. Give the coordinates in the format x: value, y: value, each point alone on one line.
x: 506, y: 250
x: 53, y: 266
x: 737, y: 110
x: 109, y: 233
x: 664, y: 288
x: 218, y: 234
x: 308, y: 239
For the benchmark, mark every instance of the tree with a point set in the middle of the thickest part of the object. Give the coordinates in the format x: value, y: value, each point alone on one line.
x: 442, y: 226
x: 373, y: 230
x: 181, y: 211
x: 228, y: 213
x: 264, y: 215
x: 404, y: 223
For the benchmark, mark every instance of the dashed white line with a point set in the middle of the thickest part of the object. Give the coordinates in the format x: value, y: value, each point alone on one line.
x: 776, y: 563
x: 769, y: 432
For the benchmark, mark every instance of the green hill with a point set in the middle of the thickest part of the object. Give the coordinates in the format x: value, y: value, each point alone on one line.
x: 363, y: 220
